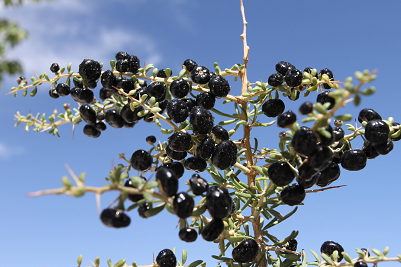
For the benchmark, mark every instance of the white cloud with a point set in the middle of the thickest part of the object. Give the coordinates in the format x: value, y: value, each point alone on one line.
x: 7, y: 152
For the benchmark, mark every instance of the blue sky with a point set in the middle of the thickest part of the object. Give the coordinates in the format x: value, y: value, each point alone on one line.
x: 344, y: 36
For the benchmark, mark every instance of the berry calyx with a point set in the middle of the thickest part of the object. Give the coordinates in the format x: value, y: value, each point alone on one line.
x: 246, y: 251
x: 141, y: 160
x: 273, y: 107
x: 183, y: 205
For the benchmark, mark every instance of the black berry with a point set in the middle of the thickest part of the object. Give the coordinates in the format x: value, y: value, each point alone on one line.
x: 88, y: 114
x: 220, y: 133
x: 55, y: 67
x: 133, y: 64
x: 324, y: 98
x: 131, y: 116
x: 293, y: 195
x: 206, y: 148
x: 384, y: 148
x: 282, y: 67
x: 218, y: 202
x: 85, y: 96
x: 198, y: 185
x: 286, y: 119
x: 330, y: 74
x: 195, y: 164
x: 53, y: 93
x: 353, y: 160
x: 338, y: 134
x: 166, y: 258
x: 114, y: 218
x: 329, y: 247
x: 213, y: 229
x: 175, y: 155
x: 151, y: 139
x: 246, y: 251
x: 122, y: 55
x: 133, y: 197
x: 176, y: 167
x: 142, y: 209
x: 157, y: 90
x: 219, y: 86
x: 100, y: 126
x: 307, y: 176
x: 205, y: 100
x: 273, y: 107
x: 292, y: 245
x: 189, y: 64
x: 168, y: 181
x: 62, y: 89
x: 141, y: 160
x: 114, y: 119
x: 183, y: 205
x: 377, y: 131
x: 179, y: 88
x: 177, y: 110
x: 224, y: 155
x: 293, y: 78
x: 306, y: 108
x: 275, y: 79
x: 200, y: 74
x: 370, y: 151
x: 90, y: 70
x: 188, y: 234
x: 91, y: 131
x: 280, y: 173
x: 368, y: 114
x: 180, y: 142
x: 201, y: 120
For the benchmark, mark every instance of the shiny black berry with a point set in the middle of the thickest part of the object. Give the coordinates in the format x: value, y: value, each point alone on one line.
x: 55, y: 67
x: 105, y: 93
x: 385, y: 147
x: 292, y: 245
x: 320, y: 158
x: 329, y: 247
x: 180, y: 142
x: 168, y: 181
x: 151, y: 139
x: 195, y: 164
x: 324, y: 98
x: 219, y: 86
x: 130, y: 115
x: 205, y: 100
x: 183, y: 205
x: 282, y: 67
x: 91, y: 131
x: 88, y: 114
x: 114, y: 119
x: 206, y: 148
x: 179, y: 88
x: 188, y: 234
x: 85, y: 96
x: 360, y: 264
x: 166, y: 258
x: 330, y: 74
x: 200, y: 74
x: 213, y: 230
x: 133, y: 197
x: 176, y: 167
x: 141, y: 160
x: 201, y: 120
x: 220, y: 133
x: 330, y: 174
x: 293, y: 78
x: 100, y: 126
x: 189, y: 64
x: 125, y: 84
x: 368, y: 114
x: 114, y: 218
x: 307, y: 176
x: 177, y: 110
x: 273, y: 107
x: 275, y: 79
x: 304, y: 141
x: 175, y: 155
x: 280, y: 173
x: 218, y: 202
x: 157, y: 90
x: 139, y: 93
x: 90, y: 70
x: 62, y: 89
x: 198, y: 185
x: 142, y: 209
x: 224, y: 155
x: 122, y: 55
x: 246, y: 251
x: 286, y: 119
x: 53, y: 93
x: 133, y: 63
x: 306, y: 108
x: 122, y: 65
x: 338, y: 134
x: 377, y: 131
x: 162, y: 73
x: 353, y: 160
x: 293, y: 195
x: 370, y: 151
x: 191, y: 103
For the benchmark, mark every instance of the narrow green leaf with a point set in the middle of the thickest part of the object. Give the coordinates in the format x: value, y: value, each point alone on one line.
x: 166, y: 131
x: 259, y: 169
x: 154, y: 211
x: 200, y: 210
x: 346, y: 257
x: 345, y: 117
x: 357, y: 100
x: 316, y: 256
x: 377, y: 252
x: 195, y: 263
x: 243, y: 122
x: 320, y: 108
x: 386, y: 250
x: 79, y: 261
x: 182, y: 73
x: 97, y: 262
x: 109, y: 262
x: 184, y: 256
x: 147, y: 196
x: 327, y: 259
x: 304, y: 258
x: 151, y: 184
x: 120, y: 263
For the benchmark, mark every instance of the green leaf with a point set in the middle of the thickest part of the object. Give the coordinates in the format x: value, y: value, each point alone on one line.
x: 167, y: 71
x: 148, y: 67
x: 345, y: 117
x: 182, y: 73
x: 166, y: 131
x: 109, y: 262
x: 386, y: 250
x: 195, y: 263
x: 377, y: 252
x: 304, y: 258
x: 327, y: 259
x: 227, y: 122
x: 316, y: 256
x: 369, y: 91
x: 151, y: 184
x: 357, y: 100
x: 346, y: 257
x: 243, y: 122
x: 148, y: 196
x: 154, y: 211
x: 34, y: 91
x: 79, y: 261
x: 200, y: 210
x: 184, y: 256
x: 259, y: 169
x: 97, y: 261
x: 320, y: 108
x: 120, y: 263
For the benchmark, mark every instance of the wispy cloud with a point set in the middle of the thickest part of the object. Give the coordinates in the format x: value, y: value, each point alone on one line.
x: 7, y: 152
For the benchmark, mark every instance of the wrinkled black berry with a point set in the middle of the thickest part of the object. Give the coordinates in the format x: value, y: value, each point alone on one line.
x: 213, y: 229
x: 180, y: 142
x: 179, y: 88
x: 330, y: 174
x: 246, y: 251
x: 133, y: 64
x: 205, y: 100
x: 292, y: 245
x: 384, y: 148
x: 90, y: 70
x: 220, y: 133
x: 275, y: 79
x: 353, y: 160
x: 122, y: 55
x: 224, y: 155
x: 125, y: 84
x: 108, y: 80
x: 200, y: 74
x: 280, y: 173
x: 219, y: 86
x: 370, y: 151
x: 273, y: 107
x: 286, y: 119
x: 189, y: 64
x: 206, y: 148
x: 293, y: 78
x: 177, y: 110
x: 307, y: 176
x: 166, y: 258
x: 183, y: 205
x: 304, y: 141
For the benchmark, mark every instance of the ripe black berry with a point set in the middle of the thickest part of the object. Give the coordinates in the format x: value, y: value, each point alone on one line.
x: 189, y: 64
x: 368, y: 114
x: 162, y: 73
x: 133, y: 197
x: 133, y: 64
x: 91, y: 131
x: 139, y: 93
x: 179, y: 88
x: 353, y: 160
x: 293, y: 195
x: 105, y: 93
x: 273, y: 107
x: 53, y: 93
x: 205, y: 100
x: 88, y: 114
x: 114, y: 119
x: 200, y: 74
x: 206, y: 148
x: 190, y: 104
x: 320, y: 158
x: 129, y: 125
x: 338, y: 134
x: 180, y: 142
x: 125, y: 84
x: 90, y: 70
x: 218, y: 202
x: 275, y: 79
x: 141, y: 160
x: 307, y: 177
x: 282, y: 67
x: 62, y: 89
x: 195, y: 164
x: 323, y: 140
x: 293, y: 78
x: 168, y: 181
x: 219, y: 86
x: 121, y: 55
x: 330, y: 74
x: 176, y: 167
x: 198, y: 185
x: 100, y: 126
x: 201, y: 120
x: 224, y: 155
x: 360, y: 264
x: 213, y: 229
x: 157, y: 90
x: 131, y: 116
x: 324, y: 97
x: 384, y: 148
x: 85, y: 96
x: 175, y: 155
x: 292, y: 245
x: 183, y: 205
x: 55, y: 67
x: 122, y: 65
x: 142, y: 209
x: 246, y: 251
x: 114, y: 218
x: 151, y: 139
x: 280, y: 173
x: 370, y: 151
x: 377, y: 131
x: 177, y: 110
x: 304, y: 141
x: 330, y: 174
x: 306, y: 108
x: 220, y: 133
x: 166, y: 258
x: 78, y: 82
x: 286, y: 119
x: 188, y: 234
x: 329, y: 247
